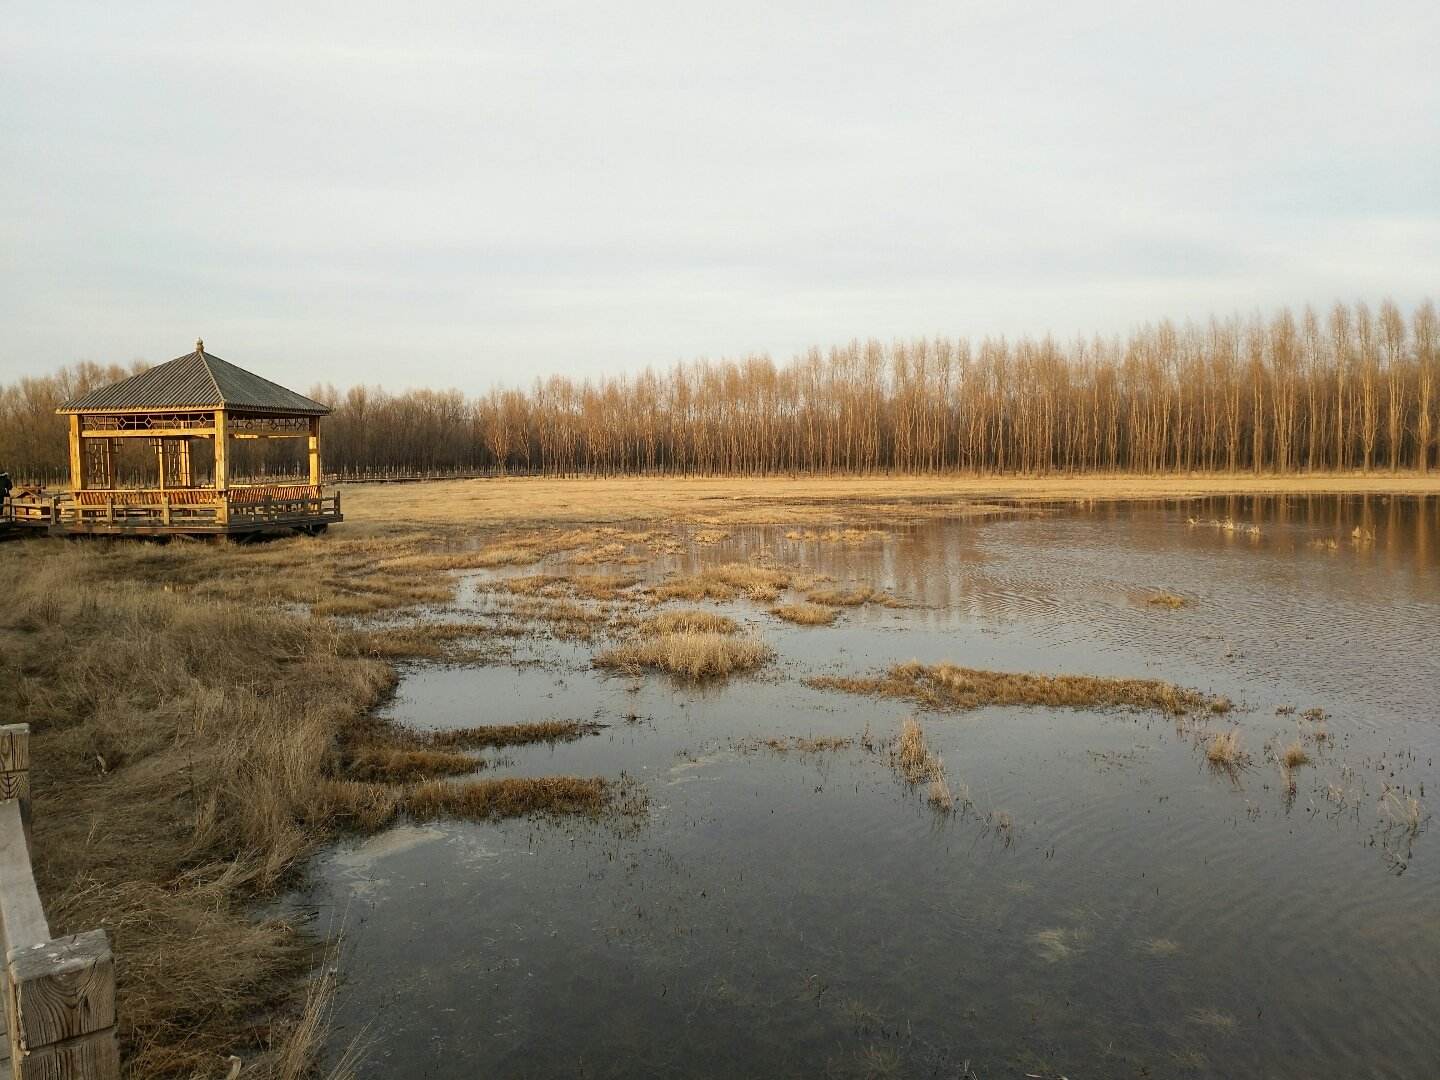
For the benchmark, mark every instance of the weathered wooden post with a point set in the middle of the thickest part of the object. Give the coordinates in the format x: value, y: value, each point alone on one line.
x: 15, y: 769
x: 59, y: 993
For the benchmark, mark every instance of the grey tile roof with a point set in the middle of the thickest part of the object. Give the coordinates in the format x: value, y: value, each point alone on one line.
x: 195, y: 381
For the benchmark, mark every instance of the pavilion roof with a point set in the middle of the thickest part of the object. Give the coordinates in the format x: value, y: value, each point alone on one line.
x: 197, y: 380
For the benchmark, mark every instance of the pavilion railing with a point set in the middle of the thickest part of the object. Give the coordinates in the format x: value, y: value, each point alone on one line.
x: 201, y: 507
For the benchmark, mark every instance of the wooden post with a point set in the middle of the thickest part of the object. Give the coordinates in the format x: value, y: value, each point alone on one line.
x: 77, y: 462
x: 314, y: 443
x: 222, y: 479
x: 15, y: 769
x: 222, y: 450
x: 62, y: 1003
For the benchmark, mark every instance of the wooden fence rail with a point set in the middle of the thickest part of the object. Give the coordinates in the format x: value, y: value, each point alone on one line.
x: 59, y: 992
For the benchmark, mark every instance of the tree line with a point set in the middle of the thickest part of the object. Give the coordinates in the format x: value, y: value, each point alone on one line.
x: 1348, y: 388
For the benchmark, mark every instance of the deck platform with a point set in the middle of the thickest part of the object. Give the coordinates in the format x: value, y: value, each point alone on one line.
x: 244, y: 511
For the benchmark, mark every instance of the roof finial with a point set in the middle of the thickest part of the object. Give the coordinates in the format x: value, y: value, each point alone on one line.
x: 200, y: 344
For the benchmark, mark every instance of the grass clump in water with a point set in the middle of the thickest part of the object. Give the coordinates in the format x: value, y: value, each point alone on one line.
x: 1224, y: 751
x: 916, y: 764
x: 1166, y: 600
x: 805, y: 614
x: 1294, y: 755
x: 398, y: 765
x: 728, y: 581
x: 689, y: 621
x: 948, y: 686
x: 512, y: 796
x: 864, y: 594
x: 488, y: 735
x: 690, y: 655
x: 1403, y: 810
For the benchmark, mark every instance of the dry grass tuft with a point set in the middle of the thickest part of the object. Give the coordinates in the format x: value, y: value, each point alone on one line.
x: 1166, y: 600
x: 1294, y: 755
x: 494, y: 735
x: 911, y: 757
x: 728, y: 581
x: 689, y: 622
x: 1403, y: 810
x: 846, y: 597
x: 947, y: 686
x: 687, y: 654
x: 398, y: 765
x: 1223, y: 750
x: 805, y: 614
x: 913, y: 760
x: 512, y: 796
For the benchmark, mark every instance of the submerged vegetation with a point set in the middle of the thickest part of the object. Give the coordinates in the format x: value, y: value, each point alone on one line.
x: 950, y: 687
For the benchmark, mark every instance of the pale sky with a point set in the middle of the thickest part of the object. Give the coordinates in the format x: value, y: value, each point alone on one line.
x: 470, y: 193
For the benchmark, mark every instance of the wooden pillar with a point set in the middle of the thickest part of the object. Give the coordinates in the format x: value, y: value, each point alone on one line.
x: 222, y: 450
x: 184, y: 472
x: 314, y: 443
x: 77, y: 461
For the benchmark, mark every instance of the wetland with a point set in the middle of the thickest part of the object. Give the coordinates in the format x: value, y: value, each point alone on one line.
x: 1123, y: 788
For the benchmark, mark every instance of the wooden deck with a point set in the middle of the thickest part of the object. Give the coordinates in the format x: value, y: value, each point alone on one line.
x: 238, y: 511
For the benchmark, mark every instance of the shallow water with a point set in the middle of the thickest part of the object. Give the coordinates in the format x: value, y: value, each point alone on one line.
x: 806, y: 914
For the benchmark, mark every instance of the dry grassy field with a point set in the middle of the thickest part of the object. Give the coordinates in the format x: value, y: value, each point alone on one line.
x: 202, y: 710
x: 776, y: 500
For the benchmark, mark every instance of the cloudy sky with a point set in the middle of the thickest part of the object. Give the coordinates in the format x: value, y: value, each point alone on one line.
x: 460, y: 194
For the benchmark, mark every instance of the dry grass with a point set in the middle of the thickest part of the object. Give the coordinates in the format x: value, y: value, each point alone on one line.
x: 688, y: 654
x: 401, y: 765
x: 815, y: 502
x: 916, y: 764
x: 496, y: 735
x: 947, y: 686
x: 847, y: 597
x: 728, y: 581
x: 1294, y: 755
x: 177, y: 746
x: 513, y: 796
x: 689, y: 621
x: 805, y: 614
x: 1224, y: 751
x: 1403, y: 810
x: 554, y: 586
x: 1166, y: 600
x: 196, y: 736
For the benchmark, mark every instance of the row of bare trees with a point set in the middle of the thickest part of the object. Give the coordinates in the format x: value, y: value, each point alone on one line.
x: 1351, y: 388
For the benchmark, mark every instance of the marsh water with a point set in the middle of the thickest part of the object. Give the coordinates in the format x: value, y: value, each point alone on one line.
x: 807, y: 914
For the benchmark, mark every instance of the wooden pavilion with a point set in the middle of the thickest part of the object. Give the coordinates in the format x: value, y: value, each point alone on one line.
x: 193, y: 397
